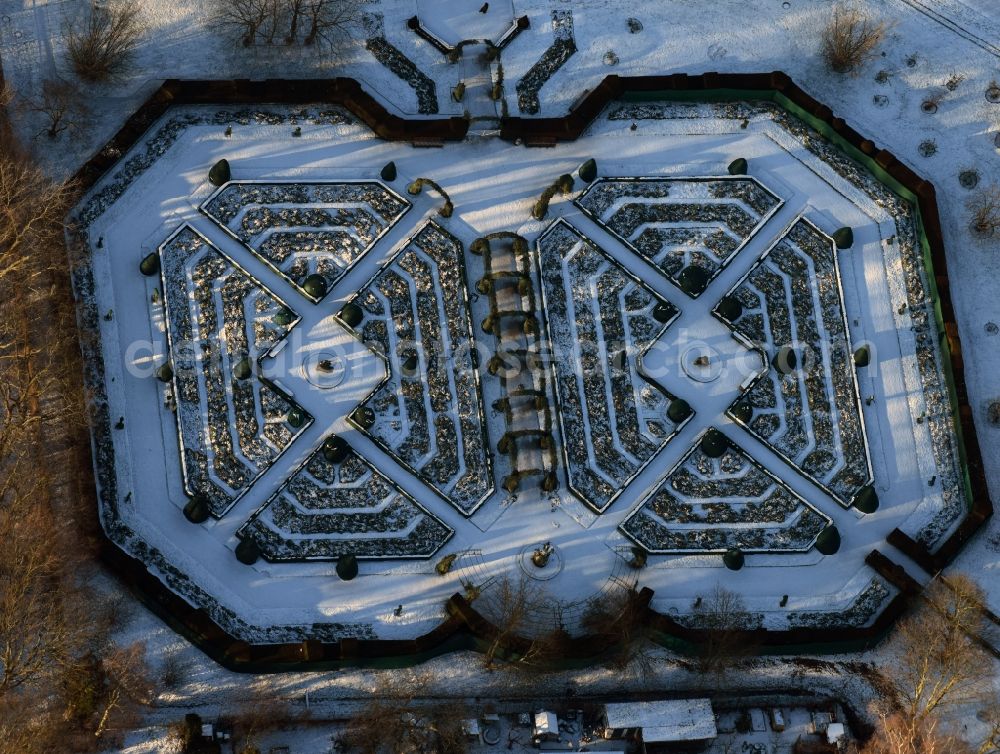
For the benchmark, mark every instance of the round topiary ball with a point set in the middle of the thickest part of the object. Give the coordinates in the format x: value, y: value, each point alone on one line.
x: 739, y: 166
x: 734, y: 559
x: 785, y: 360
x: 679, y: 410
x: 247, y: 552
x: 714, y: 443
x: 196, y: 509
x: 220, y: 173
x: 165, y: 373
x: 284, y: 317
x: 742, y: 411
x: 862, y: 357
x: 828, y: 541
x: 243, y: 369
x: 150, y: 264
x: 844, y: 238
x: 867, y: 500
x: 363, y: 416
x: 314, y: 286
x: 351, y: 315
x: 296, y: 417
x: 693, y: 279
x: 663, y: 311
x: 335, y: 449
x: 730, y: 308
x: 347, y: 567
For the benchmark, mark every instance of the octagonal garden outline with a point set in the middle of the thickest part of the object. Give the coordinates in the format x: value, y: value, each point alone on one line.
x: 338, y: 643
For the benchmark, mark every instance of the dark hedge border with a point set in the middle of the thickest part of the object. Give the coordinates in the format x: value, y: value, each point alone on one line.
x: 445, y: 48
x: 464, y: 628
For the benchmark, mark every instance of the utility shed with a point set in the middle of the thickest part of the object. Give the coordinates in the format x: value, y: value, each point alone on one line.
x: 668, y: 725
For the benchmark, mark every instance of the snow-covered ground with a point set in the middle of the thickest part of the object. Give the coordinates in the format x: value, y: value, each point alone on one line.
x: 928, y: 42
x: 285, y: 599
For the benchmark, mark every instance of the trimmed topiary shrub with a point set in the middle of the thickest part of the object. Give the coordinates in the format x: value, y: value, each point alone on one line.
x: 220, y: 173
x: 550, y: 482
x: 363, y: 416
x: 730, y: 308
x: 693, y: 279
x: 444, y: 565
x: 714, y: 443
x: 867, y: 500
x: 196, y: 509
x: 314, y: 286
x: 409, y: 365
x: 679, y: 410
x: 165, y: 372
x: 511, y: 482
x: 828, y: 541
x: 588, y: 171
x: 565, y: 183
x: 479, y: 246
x: 844, y: 238
x: 351, y: 315
x: 388, y: 172
x: 335, y: 449
x: 739, y: 166
x: 862, y: 357
x: 247, y: 552
x: 296, y: 417
x: 458, y: 91
x: 347, y: 567
x: 639, y: 558
x: 243, y: 369
x: 662, y: 312
x: 734, y: 559
x: 284, y: 317
x: 742, y: 411
x: 150, y: 264
x: 785, y: 360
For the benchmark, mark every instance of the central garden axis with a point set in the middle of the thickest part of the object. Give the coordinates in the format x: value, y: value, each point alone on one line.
x: 344, y: 383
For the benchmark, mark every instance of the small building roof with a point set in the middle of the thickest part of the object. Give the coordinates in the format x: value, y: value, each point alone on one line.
x: 546, y: 722
x: 666, y: 720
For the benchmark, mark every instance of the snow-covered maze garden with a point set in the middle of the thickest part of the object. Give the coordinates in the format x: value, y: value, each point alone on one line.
x: 713, y: 360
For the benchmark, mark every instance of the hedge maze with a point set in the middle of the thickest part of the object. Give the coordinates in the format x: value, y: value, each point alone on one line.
x: 679, y: 224
x: 232, y: 423
x: 328, y: 509
x: 428, y: 415
x: 806, y: 406
x: 600, y: 321
x: 708, y: 504
x: 304, y: 229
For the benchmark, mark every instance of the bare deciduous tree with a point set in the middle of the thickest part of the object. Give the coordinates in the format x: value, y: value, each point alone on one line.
x: 940, y: 661
x: 985, y: 209
x: 725, y: 619
x: 61, y: 105
x: 850, y: 38
x: 897, y: 734
x: 507, y: 607
x: 103, y: 39
x: 308, y: 22
x: 617, y: 615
